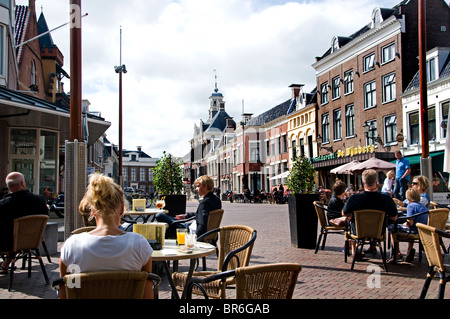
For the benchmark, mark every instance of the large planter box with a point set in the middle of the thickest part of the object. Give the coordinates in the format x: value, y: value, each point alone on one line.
x: 303, y: 220
x: 175, y: 204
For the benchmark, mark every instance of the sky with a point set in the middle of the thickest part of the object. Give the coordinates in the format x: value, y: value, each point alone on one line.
x: 175, y: 51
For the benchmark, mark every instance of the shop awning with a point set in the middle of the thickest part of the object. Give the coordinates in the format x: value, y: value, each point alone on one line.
x: 415, y: 159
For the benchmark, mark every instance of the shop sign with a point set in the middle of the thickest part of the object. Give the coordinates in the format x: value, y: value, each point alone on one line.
x: 351, y: 151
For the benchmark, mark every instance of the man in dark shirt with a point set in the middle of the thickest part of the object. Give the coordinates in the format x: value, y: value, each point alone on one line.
x: 208, y: 202
x: 18, y: 203
x: 370, y: 198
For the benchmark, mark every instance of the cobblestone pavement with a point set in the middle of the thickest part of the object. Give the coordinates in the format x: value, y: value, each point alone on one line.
x: 324, y: 275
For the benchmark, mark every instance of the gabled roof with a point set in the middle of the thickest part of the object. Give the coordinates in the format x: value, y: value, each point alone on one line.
x: 385, y: 14
x: 141, y: 153
x: 415, y: 82
x: 21, y: 18
x: 219, y: 121
x: 270, y: 115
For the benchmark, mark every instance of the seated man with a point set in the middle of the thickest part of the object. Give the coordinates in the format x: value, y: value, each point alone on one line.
x: 370, y: 198
x: 204, y: 186
x: 18, y: 203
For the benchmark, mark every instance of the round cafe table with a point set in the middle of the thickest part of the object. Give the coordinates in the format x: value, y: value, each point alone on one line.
x: 171, y: 251
x: 144, y: 215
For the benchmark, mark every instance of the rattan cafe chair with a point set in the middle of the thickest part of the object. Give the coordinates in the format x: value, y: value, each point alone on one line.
x: 370, y: 226
x: 28, y: 233
x: 82, y: 230
x: 437, y: 262
x: 113, y: 284
x: 269, y: 281
x: 235, y: 249
x: 436, y: 218
x: 325, y: 227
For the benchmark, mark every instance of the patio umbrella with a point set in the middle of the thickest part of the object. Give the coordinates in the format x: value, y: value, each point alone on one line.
x: 372, y: 163
x: 344, y: 169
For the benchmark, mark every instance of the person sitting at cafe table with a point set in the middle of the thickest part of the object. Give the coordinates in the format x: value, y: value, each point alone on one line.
x: 106, y: 247
x: 370, y: 198
x: 421, y: 183
x: 208, y: 202
x: 336, y: 204
x: 414, y: 207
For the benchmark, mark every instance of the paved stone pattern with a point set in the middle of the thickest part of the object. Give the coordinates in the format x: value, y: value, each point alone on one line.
x: 324, y: 275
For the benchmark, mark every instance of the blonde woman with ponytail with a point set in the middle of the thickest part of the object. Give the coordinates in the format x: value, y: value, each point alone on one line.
x: 106, y: 247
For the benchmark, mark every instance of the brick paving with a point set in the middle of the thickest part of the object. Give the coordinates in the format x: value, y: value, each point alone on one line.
x: 324, y: 275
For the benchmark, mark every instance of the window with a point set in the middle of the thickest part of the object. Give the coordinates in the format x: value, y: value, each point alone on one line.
x: 390, y: 129
x: 2, y: 50
x: 431, y: 123
x: 142, y: 174
x: 445, y: 106
x: 133, y: 174
x: 302, y: 147
x: 413, y: 128
x: 284, y: 144
x: 125, y: 173
x: 372, y: 133
x: 324, y: 93
x: 267, y: 149
x: 33, y: 73
x: 389, y: 88
x: 336, y: 89
x: 370, y: 99
x: 369, y: 62
x: 350, y: 120
x: 337, y: 125
x: 325, y: 128
x: 348, y: 82
x: 388, y: 53
x: 431, y: 70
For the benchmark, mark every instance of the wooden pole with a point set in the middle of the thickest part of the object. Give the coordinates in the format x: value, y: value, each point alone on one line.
x: 75, y: 71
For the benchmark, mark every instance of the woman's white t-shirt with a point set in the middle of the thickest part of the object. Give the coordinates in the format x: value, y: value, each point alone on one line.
x: 130, y: 251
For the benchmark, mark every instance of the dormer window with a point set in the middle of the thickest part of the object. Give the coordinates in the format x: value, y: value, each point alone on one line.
x: 334, y: 44
x: 376, y: 17
x: 431, y: 70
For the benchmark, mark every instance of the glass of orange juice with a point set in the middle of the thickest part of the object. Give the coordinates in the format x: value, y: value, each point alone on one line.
x: 181, y: 236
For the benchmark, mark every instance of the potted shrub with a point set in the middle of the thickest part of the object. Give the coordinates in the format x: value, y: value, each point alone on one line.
x: 168, y: 181
x: 302, y: 214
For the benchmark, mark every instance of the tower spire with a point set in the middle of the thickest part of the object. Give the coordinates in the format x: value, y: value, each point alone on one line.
x: 215, y: 78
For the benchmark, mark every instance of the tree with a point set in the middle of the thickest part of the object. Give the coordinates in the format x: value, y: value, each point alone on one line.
x: 168, y: 176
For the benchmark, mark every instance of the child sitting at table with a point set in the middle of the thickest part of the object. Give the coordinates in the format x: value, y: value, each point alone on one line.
x: 414, y: 207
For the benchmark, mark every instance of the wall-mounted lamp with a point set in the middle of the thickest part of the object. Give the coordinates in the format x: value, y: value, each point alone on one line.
x: 319, y: 142
x: 370, y: 127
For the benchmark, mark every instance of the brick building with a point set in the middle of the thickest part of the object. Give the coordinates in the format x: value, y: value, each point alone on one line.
x: 360, y: 80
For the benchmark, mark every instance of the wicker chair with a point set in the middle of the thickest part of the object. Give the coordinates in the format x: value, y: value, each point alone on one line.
x: 120, y: 284
x: 436, y: 218
x: 235, y: 248
x: 28, y: 233
x: 270, y: 281
x: 430, y: 238
x: 325, y: 227
x: 369, y: 224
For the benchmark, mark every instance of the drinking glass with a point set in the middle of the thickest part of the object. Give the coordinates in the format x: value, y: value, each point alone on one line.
x: 181, y: 236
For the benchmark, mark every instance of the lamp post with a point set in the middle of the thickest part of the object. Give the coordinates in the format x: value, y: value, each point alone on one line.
x: 319, y: 141
x: 120, y: 69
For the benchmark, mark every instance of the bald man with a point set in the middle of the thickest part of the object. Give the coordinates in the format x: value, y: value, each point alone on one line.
x: 17, y: 203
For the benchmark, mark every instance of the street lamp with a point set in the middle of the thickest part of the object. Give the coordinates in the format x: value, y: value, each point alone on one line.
x: 371, y: 127
x: 120, y: 69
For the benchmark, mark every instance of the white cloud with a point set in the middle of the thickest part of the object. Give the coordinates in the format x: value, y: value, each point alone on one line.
x: 170, y: 49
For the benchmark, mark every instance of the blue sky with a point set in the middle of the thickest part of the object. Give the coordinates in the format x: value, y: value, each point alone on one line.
x: 171, y: 49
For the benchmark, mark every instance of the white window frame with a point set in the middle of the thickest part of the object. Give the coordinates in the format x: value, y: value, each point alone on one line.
x: 390, y: 129
x: 389, y: 88
x: 369, y: 62
x: 348, y: 82
x: 372, y: 102
x: 336, y: 88
x: 350, y: 120
x: 388, y: 53
x: 324, y: 93
x: 337, y: 125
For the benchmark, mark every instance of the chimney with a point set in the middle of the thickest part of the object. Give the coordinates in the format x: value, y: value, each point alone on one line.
x: 139, y: 148
x: 296, y: 90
